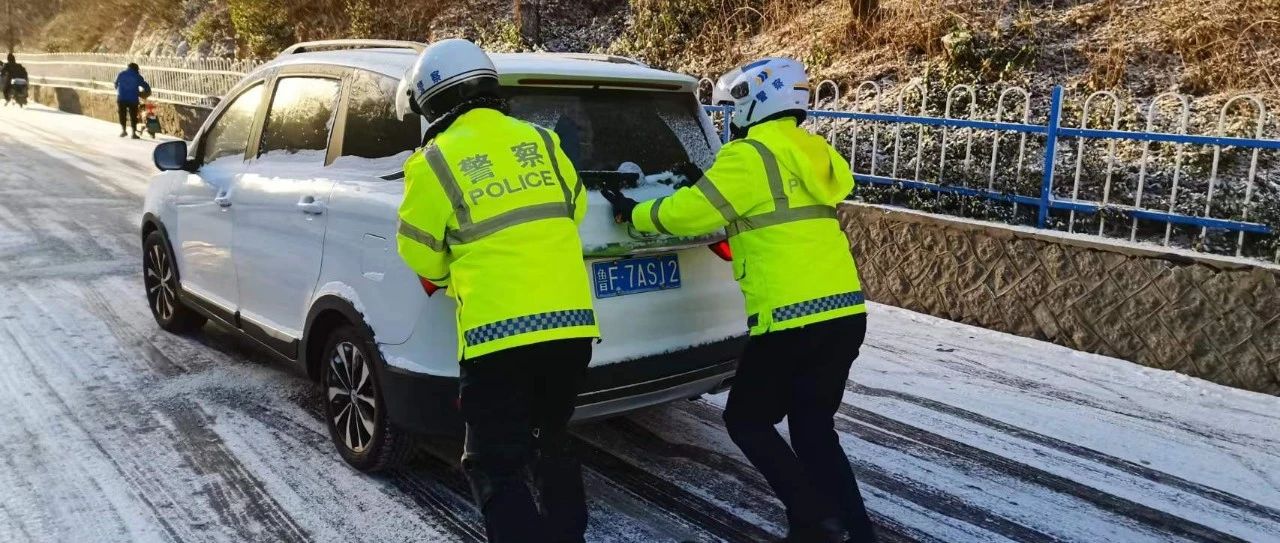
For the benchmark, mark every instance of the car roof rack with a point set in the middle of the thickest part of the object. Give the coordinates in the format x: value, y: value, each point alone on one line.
x: 310, y: 46
x: 600, y: 57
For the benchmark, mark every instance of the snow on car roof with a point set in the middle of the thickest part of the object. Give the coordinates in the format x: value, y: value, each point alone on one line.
x: 393, y: 63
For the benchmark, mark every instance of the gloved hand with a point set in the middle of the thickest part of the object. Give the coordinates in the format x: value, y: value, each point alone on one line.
x: 690, y: 171
x: 622, y: 205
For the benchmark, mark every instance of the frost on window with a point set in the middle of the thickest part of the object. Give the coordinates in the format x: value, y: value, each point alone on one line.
x: 300, y: 117
x: 372, y: 128
x: 229, y: 135
x: 602, y: 129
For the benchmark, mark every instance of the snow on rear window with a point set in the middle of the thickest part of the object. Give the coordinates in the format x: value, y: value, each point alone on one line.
x: 602, y: 129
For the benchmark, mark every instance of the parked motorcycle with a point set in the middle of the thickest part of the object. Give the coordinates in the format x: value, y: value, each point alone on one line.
x: 153, y: 121
x: 18, y: 90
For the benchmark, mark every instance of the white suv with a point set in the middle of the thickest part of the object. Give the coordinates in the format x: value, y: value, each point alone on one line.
x: 280, y: 221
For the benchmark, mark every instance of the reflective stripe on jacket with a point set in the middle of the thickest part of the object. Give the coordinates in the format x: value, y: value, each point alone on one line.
x: 491, y: 210
x: 774, y: 193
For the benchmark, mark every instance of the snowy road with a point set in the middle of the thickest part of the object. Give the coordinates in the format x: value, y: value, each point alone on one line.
x: 111, y: 430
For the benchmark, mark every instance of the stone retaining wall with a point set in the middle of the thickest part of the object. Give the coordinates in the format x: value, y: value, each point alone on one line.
x: 175, y: 120
x: 1209, y: 317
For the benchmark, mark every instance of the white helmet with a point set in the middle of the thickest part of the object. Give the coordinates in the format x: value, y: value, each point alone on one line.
x: 762, y: 88
x: 445, y: 74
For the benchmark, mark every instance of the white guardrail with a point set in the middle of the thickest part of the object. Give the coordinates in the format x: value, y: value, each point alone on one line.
x: 189, y: 81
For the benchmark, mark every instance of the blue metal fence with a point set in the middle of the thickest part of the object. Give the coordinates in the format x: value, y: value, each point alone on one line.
x: 1053, y: 132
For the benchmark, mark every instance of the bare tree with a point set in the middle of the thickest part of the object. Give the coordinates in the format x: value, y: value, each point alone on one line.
x: 864, y: 10
x: 529, y: 19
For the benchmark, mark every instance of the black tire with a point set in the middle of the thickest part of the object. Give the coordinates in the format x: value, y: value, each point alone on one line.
x: 354, y: 408
x: 160, y: 278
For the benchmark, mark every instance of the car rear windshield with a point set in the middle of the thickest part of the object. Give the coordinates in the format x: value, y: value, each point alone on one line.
x: 601, y: 129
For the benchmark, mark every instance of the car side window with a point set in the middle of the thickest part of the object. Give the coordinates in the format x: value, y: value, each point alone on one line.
x: 229, y: 135
x: 372, y: 128
x: 300, y: 118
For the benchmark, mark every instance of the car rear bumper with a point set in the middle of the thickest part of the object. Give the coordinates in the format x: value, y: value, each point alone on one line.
x: 616, y: 401
x: 428, y: 403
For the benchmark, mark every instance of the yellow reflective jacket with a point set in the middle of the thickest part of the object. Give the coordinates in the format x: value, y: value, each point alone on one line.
x: 491, y: 208
x: 774, y: 192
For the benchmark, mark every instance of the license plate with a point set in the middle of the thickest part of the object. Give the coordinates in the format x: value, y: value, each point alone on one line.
x: 635, y: 275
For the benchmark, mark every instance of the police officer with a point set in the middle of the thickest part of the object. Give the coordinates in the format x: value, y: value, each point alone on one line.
x: 490, y: 213
x: 774, y: 190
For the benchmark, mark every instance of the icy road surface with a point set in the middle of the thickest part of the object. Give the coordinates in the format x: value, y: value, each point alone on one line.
x: 111, y: 430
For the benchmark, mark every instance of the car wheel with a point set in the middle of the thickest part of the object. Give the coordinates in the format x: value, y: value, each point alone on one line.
x: 160, y: 277
x: 354, y: 409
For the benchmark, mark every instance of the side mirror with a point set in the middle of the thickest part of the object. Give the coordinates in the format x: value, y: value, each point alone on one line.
x: 171, y: 155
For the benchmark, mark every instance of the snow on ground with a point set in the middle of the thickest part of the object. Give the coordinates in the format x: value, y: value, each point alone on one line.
x: 115, y: 431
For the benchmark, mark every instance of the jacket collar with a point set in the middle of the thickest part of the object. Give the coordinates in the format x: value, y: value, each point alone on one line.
x: 772, y: 127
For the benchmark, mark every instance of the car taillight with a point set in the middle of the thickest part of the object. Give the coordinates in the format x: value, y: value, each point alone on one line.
x: 722, y: 250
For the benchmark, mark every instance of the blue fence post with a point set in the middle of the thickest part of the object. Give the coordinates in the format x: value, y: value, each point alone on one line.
x: 1050, y: 153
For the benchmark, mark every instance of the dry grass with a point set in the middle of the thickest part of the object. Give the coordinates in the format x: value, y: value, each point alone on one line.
x: 1203, y: 47
x: 90, y: 25
x: 709, y: 36
x: 1144, y: 46
x: 1221, y: 44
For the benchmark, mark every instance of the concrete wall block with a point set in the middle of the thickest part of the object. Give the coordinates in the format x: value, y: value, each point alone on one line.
x: 1045, y: 321
x: 1034, y: 286
x: 1205, y: 316
x: 1004, y: 277
x: 1260, y: 289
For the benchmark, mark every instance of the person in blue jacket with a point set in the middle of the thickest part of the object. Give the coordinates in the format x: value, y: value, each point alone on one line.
x: 129, y: 88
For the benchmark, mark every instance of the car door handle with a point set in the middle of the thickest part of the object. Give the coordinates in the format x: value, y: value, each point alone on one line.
x: 223, y: 200
x: 310, y: 206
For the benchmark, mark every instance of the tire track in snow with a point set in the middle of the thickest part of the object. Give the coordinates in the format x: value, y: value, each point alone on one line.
x: 882, y: 430
x: 435, y: 492
x: 968, y: 366
x: 434, y: 481
x: 640, y: 440
x: 424, y: 489
x: 434, y: 505
x: 667, y: 496
x: 1132, y: 468
x: 128, y: 336
x: 233, y: 487
x: 441, y: 462
x: 140, y: 482
x: 241, y: 498
x: 912, y: 491
x: 237, y: 497
x: 226, y: 484
x: 452, y: 506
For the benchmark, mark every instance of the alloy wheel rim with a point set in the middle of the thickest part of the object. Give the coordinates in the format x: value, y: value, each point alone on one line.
x: 352, y: 407
x: 161, y: 291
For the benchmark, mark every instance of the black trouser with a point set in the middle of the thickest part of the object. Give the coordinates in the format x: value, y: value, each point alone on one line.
x: 128, y: 112
x: 517, y: 404
x: 800, y: 374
